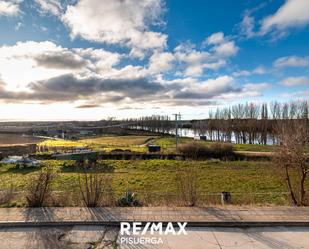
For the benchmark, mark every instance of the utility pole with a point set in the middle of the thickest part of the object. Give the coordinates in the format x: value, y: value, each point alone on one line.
x: 177, y: 118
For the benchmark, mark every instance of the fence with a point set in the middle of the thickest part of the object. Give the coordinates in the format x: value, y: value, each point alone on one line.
x: 9, y: 197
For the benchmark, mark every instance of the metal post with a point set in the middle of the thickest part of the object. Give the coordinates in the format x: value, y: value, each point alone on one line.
x: 226, y: 198
x: 177, y: 117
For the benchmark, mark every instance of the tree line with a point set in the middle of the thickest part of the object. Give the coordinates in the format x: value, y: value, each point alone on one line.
x: 156, y: 123
x: 247, y: 123
x: 251, y: 123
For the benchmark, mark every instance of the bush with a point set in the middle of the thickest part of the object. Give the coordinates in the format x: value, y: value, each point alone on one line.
x: 39, y: 188
x: 222, y: 150
x: 194, y: 150
x: 187, y: 181
x: 92, y: 185
x: 128, y: 200
x: 6, y: 196
x: 198, y: 150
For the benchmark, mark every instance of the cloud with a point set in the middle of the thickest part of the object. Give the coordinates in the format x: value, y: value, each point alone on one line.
x: 102, y: 60
x: 18, y: 26
x: 188, y: 103
x: 242, y: 73
x: 161, y: 62
x: 88, y: 106
x: 72, y: 86
x: 259, y: 70
x: 2, y: 84
x: 94, y: 91
x: 191, y: 61
x: 250, y: 90
x: 292, y: 61
x: 216, y: 50
x: 69, y: 88
x: 222, y: 46
x: 300, y: 95
x: 247, y: 26
x: 226, y: 49
x: 216, y: 38
x: 221, y: 89
x: 50, y: 6
x: 208, y: 89
x: 36, y: 61
x: 296, y: 81
x: 293, y: 13
x: 124, y: 23
x: 9, y: 8
x: 61, y: 60
x: 90, y: 77
x: 254, y: 87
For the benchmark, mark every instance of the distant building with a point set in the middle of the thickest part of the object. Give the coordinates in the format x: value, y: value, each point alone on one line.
x: 198, y: 138
x: 86, y: 133
x: 81, y: 149
x: 154, y: 148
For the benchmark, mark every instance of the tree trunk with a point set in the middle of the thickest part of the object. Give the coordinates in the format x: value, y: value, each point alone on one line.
x: 302, y: 189
x: 288, y: 180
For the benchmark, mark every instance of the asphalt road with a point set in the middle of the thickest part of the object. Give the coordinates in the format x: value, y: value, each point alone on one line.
x: 197, y: 238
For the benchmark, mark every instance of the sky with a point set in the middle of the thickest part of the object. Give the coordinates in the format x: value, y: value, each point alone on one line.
x: 94, y: 59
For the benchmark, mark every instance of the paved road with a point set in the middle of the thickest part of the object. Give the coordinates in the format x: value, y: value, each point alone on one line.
x: 87, y: 228
x: 82, y: 237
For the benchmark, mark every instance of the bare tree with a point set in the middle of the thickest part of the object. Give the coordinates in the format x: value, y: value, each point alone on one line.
x: 92, y: 184
x: 39, y: 188
x: 292, y: 158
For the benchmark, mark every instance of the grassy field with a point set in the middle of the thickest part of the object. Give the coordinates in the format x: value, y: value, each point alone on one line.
x: 61, y: 143
x: 138, y: 143
x: 249, y: 182
x: 107, y: 143
x: 133, y: 143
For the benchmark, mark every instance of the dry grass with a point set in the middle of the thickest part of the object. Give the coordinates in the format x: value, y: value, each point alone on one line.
x: 60, y: 143
x: 107, y: 143
x: 121, y: 141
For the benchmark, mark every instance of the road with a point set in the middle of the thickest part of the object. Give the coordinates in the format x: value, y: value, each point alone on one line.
x: 82, y: 237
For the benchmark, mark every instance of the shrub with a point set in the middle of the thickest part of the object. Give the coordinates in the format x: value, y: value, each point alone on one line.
x: 187, y: 182
x: 39, y: 188
x: 92, y: 185
x: 222, y: 150
x: 6, y: 196
x: 128, y: 200
x: 194, y: 150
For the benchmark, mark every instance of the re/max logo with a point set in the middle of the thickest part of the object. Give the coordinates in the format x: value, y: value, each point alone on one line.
x: 136, y: 228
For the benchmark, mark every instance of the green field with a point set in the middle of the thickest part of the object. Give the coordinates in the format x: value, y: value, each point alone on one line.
x: 249, y: 182
x: 155, y: 181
